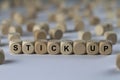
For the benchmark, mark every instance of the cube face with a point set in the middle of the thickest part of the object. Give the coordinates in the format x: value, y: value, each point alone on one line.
x: 79, y: 47
x: 45, y: 27
x: 105, y: 47
x: 19, y: 19
x: 27, y: 47
x: 4, y: 29
x: 53, y: 47
x: 99, y: 30
x: 111, y: 36
x: 79, y: 26
x: 56, y: 34
x: 62, y: 26
x: 94, y: 20
x: 36, y: 27
x: 30, y: 26
x: 12, y: 29
x: 15, y: 46
x: 41, y: 47
x: 40, y: 34
x: 84, y: 35
x: 66, y: 47
x: 92, y: 48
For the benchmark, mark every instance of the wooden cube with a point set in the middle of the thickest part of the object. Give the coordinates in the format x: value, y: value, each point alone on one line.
x: 102, y: 28
x: 52, y: 17
x: 79, y: 26
x: 60, y: 17
x: 35, y: 28
x: 15, y: 46
x: 28, y: 47
x: 45, y: 27
x: 40, y: 34
x: 55, y: 33
x: 30, y: 26
x: 112, y: 36
x: 31, y: 12
x: 94, y: 20
x: 92, y: 48
x: 79, y: 47
x: 118, y: 61
x: 4, y: 28
x: 41, y: 46
x: 105, y: 47
x: 13, y: 36
x: 18, y: 18
x: 53, y: 47
x: 15, y: 29
x: 66, y: 47
x: 84, y: 35
x: 62, y: 26
x: 2, y: 56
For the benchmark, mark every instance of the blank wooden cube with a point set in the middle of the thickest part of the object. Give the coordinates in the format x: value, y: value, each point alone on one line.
x: 35, y: 28
x: 84, y: 35
x: 105, y: 47
x: 94, y: 20
x: 55, y: 33
x: 15, y: 46
x: 102, y: 28
x: 30, y: 26
x: 41, y: 46
x: 28, y: 47
x: 4, y: 28
x: 79, y: 26
x: 60, y: 17
x: 18, y: 18
x: 52, y: 17
x: 31, y: 12
x: 62, y: 26
x: 118, y: 61
x: 2, y: 56
x: 53, y: 47
x: 40, y: 34
x: 16, y: 29
x: 92, y: 48
x: 13, y: 36
x: 45, y: 27
x: 66, y: 47
x: 79, y: 47
x: 112, y: 36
